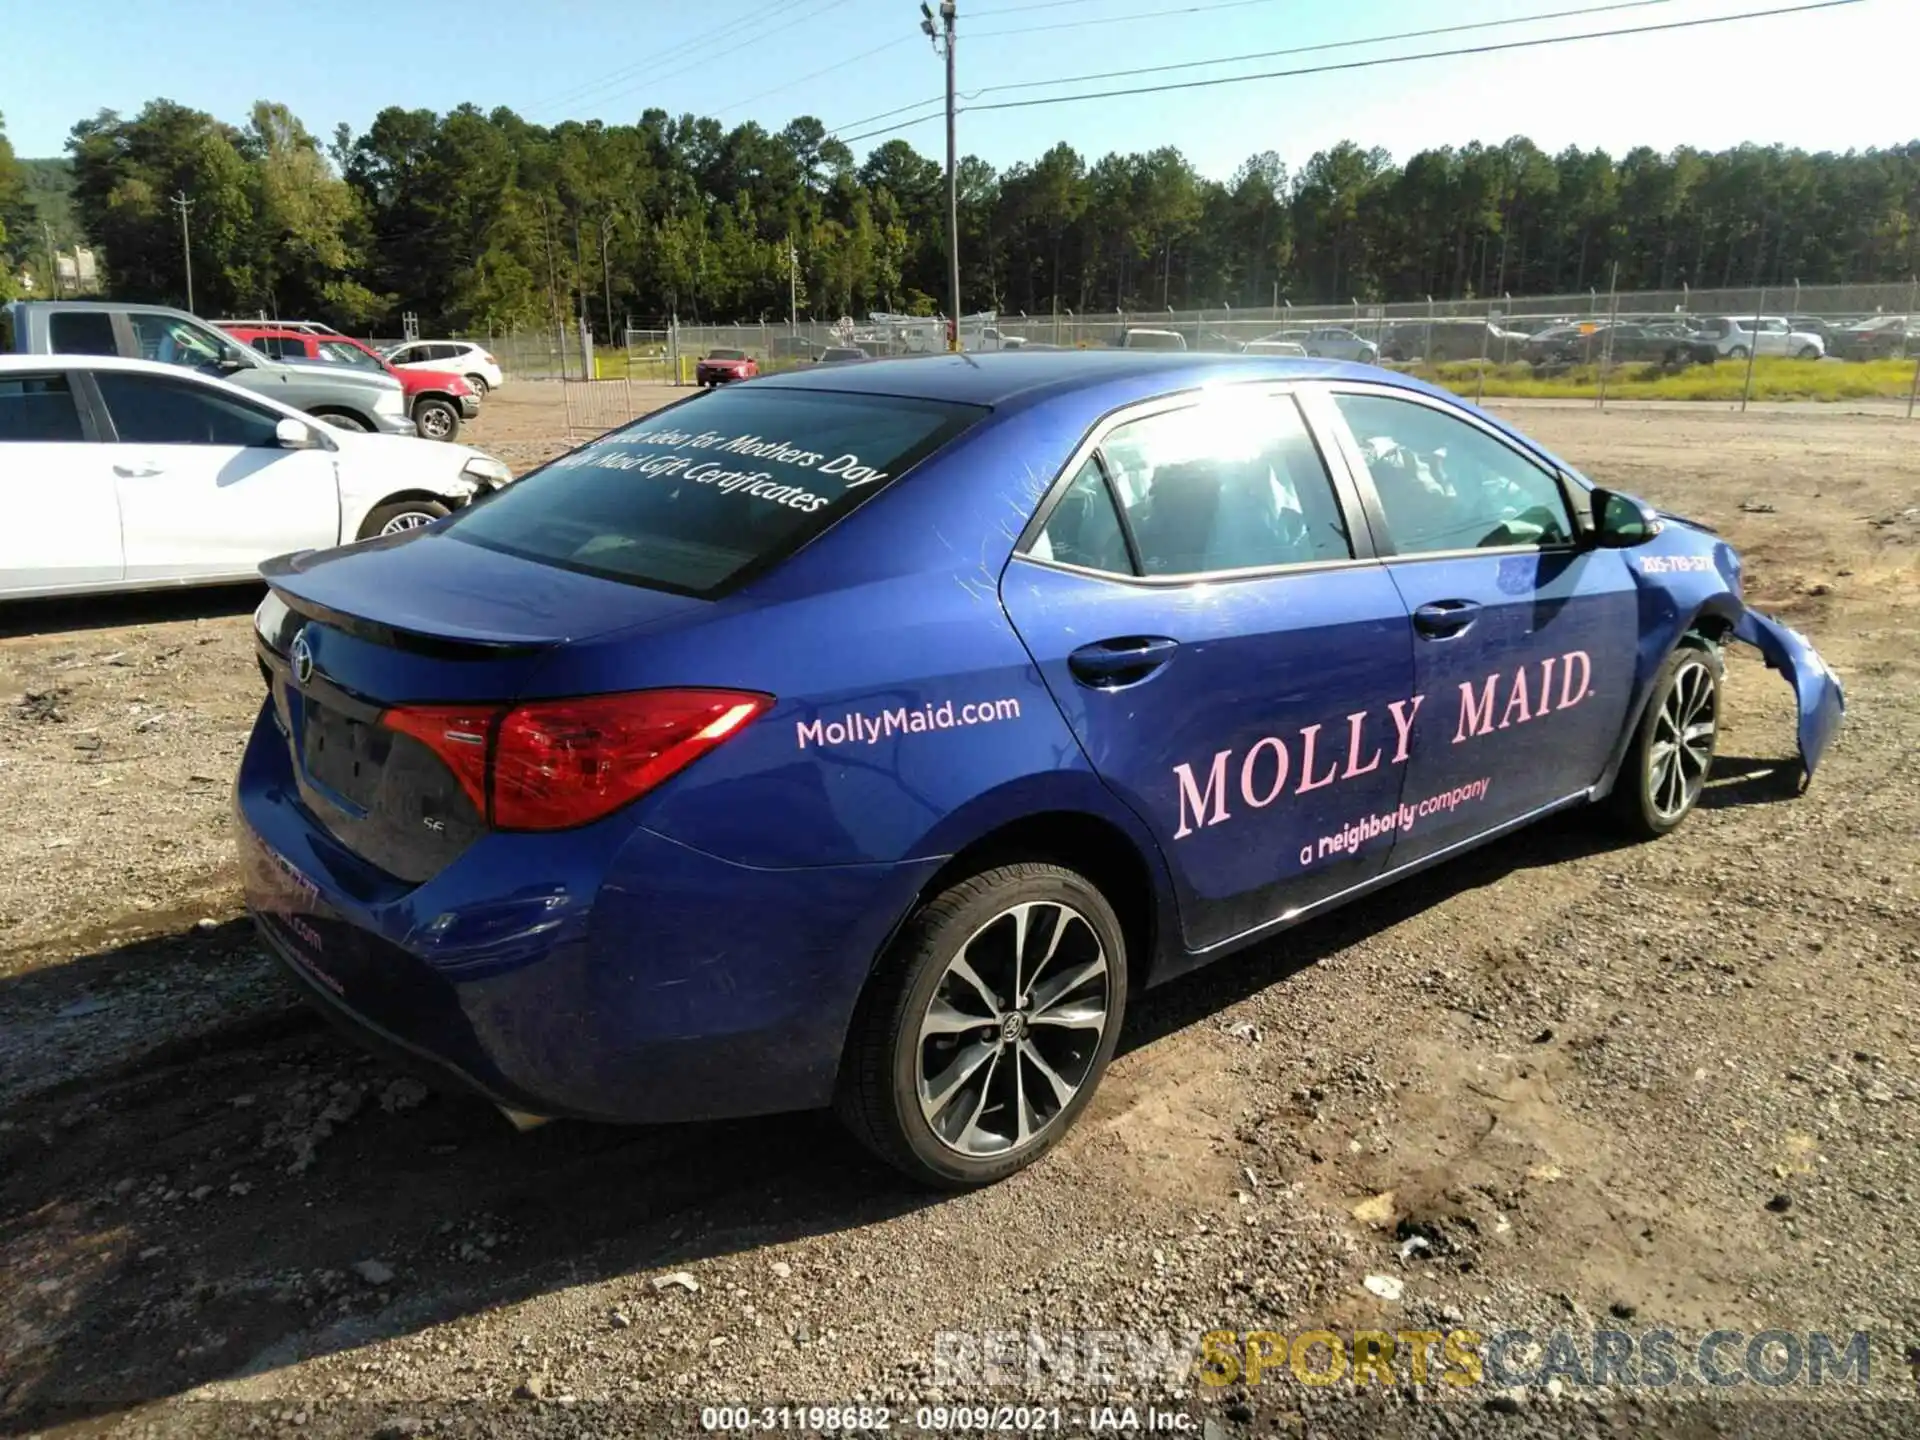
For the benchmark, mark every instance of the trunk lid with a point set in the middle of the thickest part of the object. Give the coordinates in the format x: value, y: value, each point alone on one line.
x: 416, y: 619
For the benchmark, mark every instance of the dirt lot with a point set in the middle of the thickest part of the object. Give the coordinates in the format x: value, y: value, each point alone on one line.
x: 1556, y: 1083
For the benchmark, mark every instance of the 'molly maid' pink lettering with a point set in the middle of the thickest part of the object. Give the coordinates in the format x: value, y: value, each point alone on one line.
x: 1278, y: 765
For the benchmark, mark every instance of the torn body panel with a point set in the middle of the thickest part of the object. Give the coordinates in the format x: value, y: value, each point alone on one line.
x: 1816, y: 689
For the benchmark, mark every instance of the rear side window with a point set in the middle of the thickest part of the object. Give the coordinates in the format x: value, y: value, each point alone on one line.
x: 712, y: 490
x: 81, y: 332
x: 37, y: 407
x: 1232, y: 484
x: 1084, y: 528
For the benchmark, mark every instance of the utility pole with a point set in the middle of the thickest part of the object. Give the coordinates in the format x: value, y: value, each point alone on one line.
x: 942, y: 39
x: 606, y: 270
x: 53, y: 257
x: 180, y: 202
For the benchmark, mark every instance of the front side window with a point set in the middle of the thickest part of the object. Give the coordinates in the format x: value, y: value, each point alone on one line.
x: 1446, y: 485
x: 704, y: 493
x: 173, y: 341
x: 38, y: 408
x: 82, y: 332
x: 1233, y: 483
x: 153, y: 410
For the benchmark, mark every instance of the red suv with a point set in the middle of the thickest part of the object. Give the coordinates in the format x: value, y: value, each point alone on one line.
x: 437, y: 400
x: 723, y: 367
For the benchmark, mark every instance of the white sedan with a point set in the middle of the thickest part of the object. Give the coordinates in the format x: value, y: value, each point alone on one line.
x: 126, y: 475
x: 474, y: 363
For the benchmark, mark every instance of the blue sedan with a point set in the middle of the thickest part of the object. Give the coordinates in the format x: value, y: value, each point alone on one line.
x: 863, y: 737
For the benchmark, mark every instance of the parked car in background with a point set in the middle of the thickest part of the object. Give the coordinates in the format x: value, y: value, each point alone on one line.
x: 1566, y: 343
x: 1816, y: 325
x: 1439, y: 341
x: 1332, y: 342
x: 438, y: 400
x: 842, y: 355
x: 1153, y: 340
x: 1274, y: 347
x: 1117, y: 681
x: 347, y: 399
x: 128, y: 474
x: 1627, y: 341
x: 1884, y: 337
x: 724, y: 367
x: 473, y: 363
x: 1735, y: 337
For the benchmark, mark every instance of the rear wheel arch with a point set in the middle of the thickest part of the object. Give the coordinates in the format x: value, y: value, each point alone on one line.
x: 1078, y: 840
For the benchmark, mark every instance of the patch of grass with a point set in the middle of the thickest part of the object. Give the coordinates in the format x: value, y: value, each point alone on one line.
x: 1773, y: 379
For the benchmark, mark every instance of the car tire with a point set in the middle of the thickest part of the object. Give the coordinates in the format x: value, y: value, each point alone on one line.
x: 1438, y: 355
x: 1738, y: 352
x: 436, y: 420
x: 1667, y: 764
x: 344, y: 422
x: 924, y: 1018
x: 1807, y: 352
x: 400, y: 516
x: 479, y: 384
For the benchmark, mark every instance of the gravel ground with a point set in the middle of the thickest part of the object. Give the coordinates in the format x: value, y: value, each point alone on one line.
x: 1555, y: 1084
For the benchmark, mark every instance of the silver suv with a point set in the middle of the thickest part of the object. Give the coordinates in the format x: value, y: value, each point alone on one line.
x: 349, y: 399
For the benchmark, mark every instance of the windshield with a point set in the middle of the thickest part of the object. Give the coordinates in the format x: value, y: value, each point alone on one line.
x: 711, y: 490
x: 726, y: 355
x: 341, y: 353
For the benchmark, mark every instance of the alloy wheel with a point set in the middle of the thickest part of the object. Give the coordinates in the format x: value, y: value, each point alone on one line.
x: 407, y: 520
x: 1681, y: 751
x: 1012, y: 1030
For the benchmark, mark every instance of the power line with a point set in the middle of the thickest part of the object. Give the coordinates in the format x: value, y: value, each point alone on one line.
x: 795, y: 84
x: 672, y: 52
x: 1325, y: 45
x: 1124, y: 19
x: 1488, y: 49
x: 646, y: 72
x: 1348, y: 65
x: 1262, y: 54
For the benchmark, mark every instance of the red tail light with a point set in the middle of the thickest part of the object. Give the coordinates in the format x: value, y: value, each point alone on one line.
x: 458, y: 734
x: 555, y: 764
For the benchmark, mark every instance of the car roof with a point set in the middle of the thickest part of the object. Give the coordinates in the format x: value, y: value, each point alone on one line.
x: 41, y: 364
x: 1110, y: 376
x: 98, y: 362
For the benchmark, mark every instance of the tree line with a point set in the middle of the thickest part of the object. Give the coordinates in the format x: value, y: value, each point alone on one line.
x: 479, y: 221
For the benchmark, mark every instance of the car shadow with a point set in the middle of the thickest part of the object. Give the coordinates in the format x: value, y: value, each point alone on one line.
x: 1737, y: 780
x: 265, y: 1192
x: 68, y: 615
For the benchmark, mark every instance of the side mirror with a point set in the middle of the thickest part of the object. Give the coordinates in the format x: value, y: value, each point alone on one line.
x: 1621, y: 522
x: 292, y: 435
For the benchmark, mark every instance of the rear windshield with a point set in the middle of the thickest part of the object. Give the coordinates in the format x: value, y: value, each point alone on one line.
x: 704, y: 494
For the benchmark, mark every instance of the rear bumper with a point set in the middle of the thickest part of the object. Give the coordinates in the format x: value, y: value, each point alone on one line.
x: 606, y: 974
x: 469, y: 406
x: 394, y: 424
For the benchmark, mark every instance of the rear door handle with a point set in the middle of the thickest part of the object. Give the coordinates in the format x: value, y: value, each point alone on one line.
x: 1109, y: 664
x: 138, y: 471
x: 1445, y: 618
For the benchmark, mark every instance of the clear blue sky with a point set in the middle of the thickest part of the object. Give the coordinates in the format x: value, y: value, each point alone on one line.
x: 1827, y: 80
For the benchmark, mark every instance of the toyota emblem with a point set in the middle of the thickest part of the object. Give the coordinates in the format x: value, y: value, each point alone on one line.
x: 302, y: 657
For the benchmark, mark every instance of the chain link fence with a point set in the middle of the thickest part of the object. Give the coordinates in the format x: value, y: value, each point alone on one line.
x: 1584, y: 344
